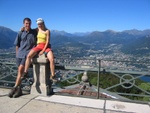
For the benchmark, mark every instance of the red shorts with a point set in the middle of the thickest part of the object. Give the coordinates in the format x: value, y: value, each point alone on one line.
x: 40, y: 47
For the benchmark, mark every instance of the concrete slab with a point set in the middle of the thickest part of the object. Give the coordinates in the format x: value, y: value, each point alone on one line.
x: 28, y: 96
x: 127, y: 107
x: 36, y: 106
x: 76, y: 101
x: 3, y: 91
x: 11, y: 105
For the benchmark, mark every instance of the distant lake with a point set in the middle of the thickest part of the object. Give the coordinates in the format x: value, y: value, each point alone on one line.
x: 145, y: 78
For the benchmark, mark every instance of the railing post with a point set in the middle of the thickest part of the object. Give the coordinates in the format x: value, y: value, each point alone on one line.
x: 98, y: 78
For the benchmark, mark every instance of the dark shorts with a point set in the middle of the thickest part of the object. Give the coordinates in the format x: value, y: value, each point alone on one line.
x: 20, y: 61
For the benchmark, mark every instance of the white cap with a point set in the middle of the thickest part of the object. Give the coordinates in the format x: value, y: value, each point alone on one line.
x: 39, y: 21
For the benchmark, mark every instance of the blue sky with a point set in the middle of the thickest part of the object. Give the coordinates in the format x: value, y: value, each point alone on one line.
x: 77, y: 15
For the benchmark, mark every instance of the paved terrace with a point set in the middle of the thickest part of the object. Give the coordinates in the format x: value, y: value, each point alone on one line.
x: 29, y: 103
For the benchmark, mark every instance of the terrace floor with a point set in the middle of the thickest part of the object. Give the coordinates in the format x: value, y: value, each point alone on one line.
x: 65, y: 104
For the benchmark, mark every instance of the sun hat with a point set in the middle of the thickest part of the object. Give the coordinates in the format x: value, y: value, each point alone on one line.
x: 39, y: 21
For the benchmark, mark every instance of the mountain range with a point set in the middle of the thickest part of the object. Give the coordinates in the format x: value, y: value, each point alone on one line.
x: 7, y: 37
x: 131, y: 41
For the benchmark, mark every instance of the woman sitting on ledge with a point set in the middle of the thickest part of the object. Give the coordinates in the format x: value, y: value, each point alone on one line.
x: 42, y: 47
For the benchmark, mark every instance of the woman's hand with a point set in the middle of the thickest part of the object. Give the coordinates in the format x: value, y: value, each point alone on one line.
x: 22, y: 29
x: 41, y: 52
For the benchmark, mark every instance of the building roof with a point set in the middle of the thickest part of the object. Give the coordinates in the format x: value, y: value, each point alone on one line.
x: 88, y: 91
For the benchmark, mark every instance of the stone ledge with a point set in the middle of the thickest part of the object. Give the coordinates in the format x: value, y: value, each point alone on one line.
x: 40, y: 59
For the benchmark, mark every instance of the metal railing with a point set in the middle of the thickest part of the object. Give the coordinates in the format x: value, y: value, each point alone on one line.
x: 130, y: 75
x: 8, y: 74
x: 124, y: 76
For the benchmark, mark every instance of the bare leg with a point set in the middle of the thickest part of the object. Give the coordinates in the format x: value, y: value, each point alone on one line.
x: 20, y: 72
x: 31, y: 54
x: 50, y: 57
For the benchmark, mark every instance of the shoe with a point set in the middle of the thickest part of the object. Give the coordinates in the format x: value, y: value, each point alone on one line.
x: 24, y: 76
x: 53, y: 78
x: 12, y: 92
x: 18, y: 93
